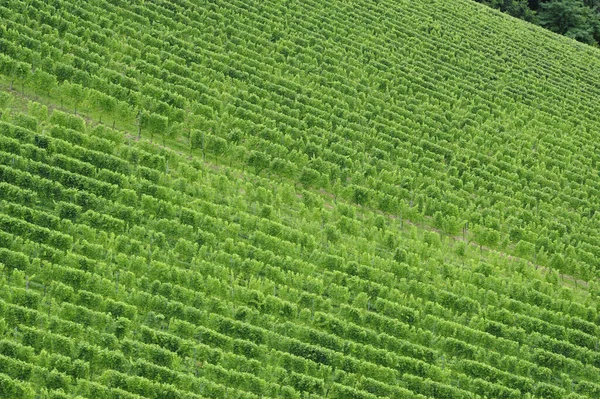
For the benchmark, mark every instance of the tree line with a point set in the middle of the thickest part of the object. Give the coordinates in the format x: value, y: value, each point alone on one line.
x: 577, y: 19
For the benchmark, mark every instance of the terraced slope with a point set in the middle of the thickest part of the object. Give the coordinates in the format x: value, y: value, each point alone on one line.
x: 276, y: 238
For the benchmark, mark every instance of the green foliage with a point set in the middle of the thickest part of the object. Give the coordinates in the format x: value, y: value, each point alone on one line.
x: 552, y: 277
x: 20, y: 72
x: 68, y: 211
x: 312, y: 200
x: 186, y: 249
x: 37, y: 110
x: 360, y: 195
x: 26, y: 121
x: 216, y: 145
x: 13, y: 389
x: 577, y: 19
x: 5, y: 100
x: 75, y: 92
x: 259, y: 160
x: 400, y: 255
x: 104, y: 103
x: 67, y: 120
x: 484, y: 268
x: 460, y: 248
x: 43, y: 81
x: 432, y: 239
x: 332, y: 233
x: 154, y: 123
x: 547, y: 391
x: 196, y: 139
x: 524, y: 249
x: 571, y: 18
x: 129, y: 269
x: 309, y: 177
x: 485, y: 236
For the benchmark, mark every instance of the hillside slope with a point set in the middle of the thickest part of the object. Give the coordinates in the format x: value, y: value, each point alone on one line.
x: 409, y: 107
x: 129, y: 268
x: 284, y: 204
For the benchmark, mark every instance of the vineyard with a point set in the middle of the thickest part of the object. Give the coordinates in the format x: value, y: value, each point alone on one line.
x: 296, y: 199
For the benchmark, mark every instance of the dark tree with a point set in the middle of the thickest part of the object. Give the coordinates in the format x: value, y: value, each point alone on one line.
x: 570, y: 18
